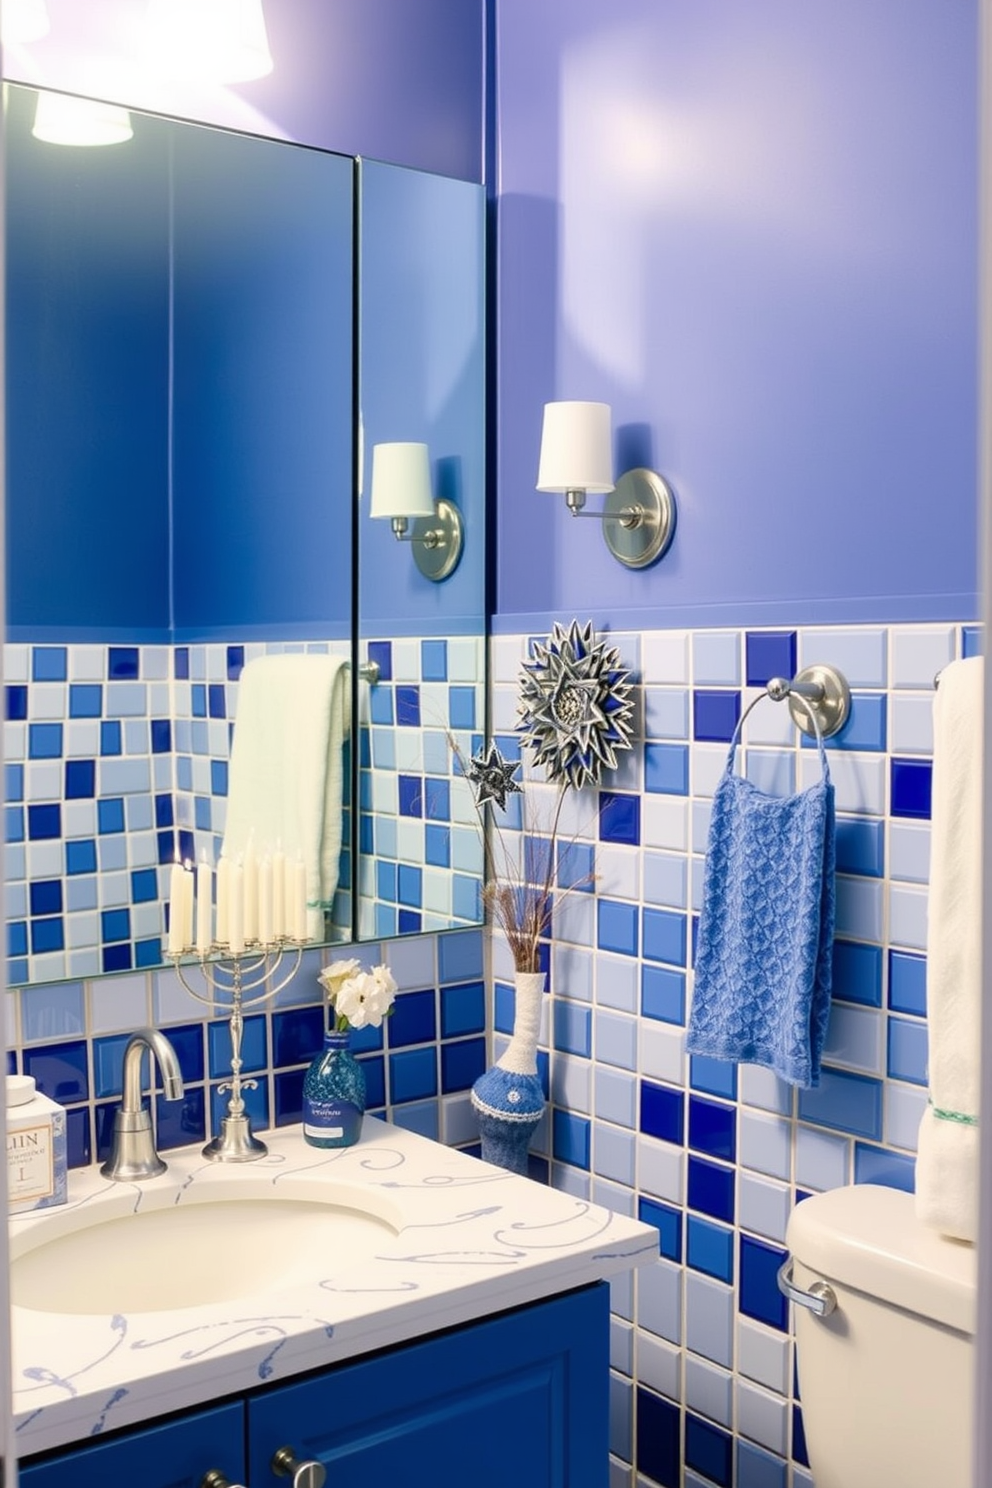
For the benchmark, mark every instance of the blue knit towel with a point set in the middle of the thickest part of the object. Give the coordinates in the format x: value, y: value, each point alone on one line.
x: 763, y: 959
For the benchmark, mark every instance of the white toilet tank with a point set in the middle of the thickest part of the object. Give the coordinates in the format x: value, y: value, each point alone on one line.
x: 886, y: 1376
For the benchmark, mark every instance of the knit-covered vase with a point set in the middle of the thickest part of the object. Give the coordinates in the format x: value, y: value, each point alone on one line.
x: 508, y: 1097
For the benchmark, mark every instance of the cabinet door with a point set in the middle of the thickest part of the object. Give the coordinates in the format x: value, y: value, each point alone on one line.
x: 175, y: 1455
x: 521, y: 1398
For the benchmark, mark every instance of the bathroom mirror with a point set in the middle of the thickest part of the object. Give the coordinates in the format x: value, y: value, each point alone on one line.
x: 182, y: 456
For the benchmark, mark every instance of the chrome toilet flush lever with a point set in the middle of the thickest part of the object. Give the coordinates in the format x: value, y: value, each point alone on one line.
x: 133, y: 1157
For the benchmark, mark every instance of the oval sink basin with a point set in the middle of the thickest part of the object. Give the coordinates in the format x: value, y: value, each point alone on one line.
x: 191, y: 1255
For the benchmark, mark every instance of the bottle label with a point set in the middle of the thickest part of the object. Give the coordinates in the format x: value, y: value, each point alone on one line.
x: 329, y: 1118
x: 30, y: 1162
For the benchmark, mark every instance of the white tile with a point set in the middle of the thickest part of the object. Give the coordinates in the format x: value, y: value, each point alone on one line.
x: 763, y: 1417
x: 908, y: 917
x: 665, y: 822
x: 909, y: 851
x: 665, y: 657
x: 904, y: 1107
x: 618, y: 872
x: 707, y: 763
x: 47, y: 701
x: 662, y: 1051
x: 506, y: 658
x: 16, y: 663
x: 855, y: 1038
x: 919, y: 653
x: 859, y: 780
x: 659, y: 1365
x: 571, y: 1083
x: 911, y: 723
x: 763, y: 1356
x: 708, y: 1390
x: 661, y: 1169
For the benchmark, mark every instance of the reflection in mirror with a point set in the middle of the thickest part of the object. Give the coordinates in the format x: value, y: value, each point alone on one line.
x: 179, y: 502
x: 422, y: 382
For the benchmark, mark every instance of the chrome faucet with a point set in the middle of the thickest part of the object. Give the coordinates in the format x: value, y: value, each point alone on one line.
x: 133, y: 1156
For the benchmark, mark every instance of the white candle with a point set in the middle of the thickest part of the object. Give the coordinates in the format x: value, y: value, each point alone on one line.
x: 188, y: 893
x: 251, y: 892
x: 289, y: 903
x: 175, y: 945
x: 265, y: 933
x: 223, y: 899
x: 300, y: 899
x: 204, y: 907
x: 236, y: 911
x: 278, y: 893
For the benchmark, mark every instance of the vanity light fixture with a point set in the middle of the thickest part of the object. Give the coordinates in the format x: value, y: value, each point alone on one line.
x: 577, y: 458
x: 61, y: 119
x: 210, y: 41
x: 401, y: 491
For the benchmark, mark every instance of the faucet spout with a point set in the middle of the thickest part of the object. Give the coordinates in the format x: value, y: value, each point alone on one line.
x: 133, y: 1157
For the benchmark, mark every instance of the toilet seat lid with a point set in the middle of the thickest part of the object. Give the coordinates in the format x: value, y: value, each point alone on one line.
x: 868, y: 1237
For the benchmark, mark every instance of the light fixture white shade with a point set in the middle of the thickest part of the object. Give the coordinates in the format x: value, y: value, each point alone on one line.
x: 24, y: 21
x: 213, y: 41
x: 401, y: 481
x: 84, y: 122
x: 576, y: 448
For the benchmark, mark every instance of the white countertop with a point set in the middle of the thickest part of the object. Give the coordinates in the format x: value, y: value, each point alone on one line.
x: 461, y: 1240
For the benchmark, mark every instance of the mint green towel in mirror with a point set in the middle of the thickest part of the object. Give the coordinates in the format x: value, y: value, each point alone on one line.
x: 765, y: 946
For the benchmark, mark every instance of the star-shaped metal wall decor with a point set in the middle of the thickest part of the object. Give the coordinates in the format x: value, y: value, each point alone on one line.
x: 492, y: 776
x: 575, y: 707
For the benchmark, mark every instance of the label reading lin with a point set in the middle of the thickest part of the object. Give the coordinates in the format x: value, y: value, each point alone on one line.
x: 30, y: 1162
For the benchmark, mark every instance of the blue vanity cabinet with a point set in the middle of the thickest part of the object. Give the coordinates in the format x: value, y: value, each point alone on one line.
x: 521, y: 1398
x: 174, y: 1454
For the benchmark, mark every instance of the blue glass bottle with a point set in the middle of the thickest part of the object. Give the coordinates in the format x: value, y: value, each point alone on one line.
x: 334, y: 1095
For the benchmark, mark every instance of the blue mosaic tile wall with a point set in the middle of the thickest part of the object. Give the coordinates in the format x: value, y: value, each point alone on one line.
x: 715, y: 1155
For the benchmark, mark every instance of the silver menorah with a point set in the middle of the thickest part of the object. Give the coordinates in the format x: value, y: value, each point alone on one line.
x: 257, y: 966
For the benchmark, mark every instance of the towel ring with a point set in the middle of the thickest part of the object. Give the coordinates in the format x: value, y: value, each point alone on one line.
x: 818, y: 690
x: 368, y: 671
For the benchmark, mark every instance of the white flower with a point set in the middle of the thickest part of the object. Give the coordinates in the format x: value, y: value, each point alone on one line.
x: 360, y: 998
x: 333, y: 977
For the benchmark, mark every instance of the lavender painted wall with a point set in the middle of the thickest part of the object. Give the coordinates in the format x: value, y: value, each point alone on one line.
x: 752, y: 230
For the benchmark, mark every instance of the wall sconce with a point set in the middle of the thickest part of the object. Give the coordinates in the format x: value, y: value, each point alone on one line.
x: 212, y: 41
x: 401, y: 491
x: 577, y: 457
x: 60, y: 119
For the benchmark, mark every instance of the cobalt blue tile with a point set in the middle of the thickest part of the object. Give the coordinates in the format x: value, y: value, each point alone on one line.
x: 235, y: 662
x: 712, y: 1128
x: 668, y: 1222
x: 860, y: 847
x: 616, y: 927
x: 411, y: 795
x: 407, y: 707
x: 366, y: 834
x: 17, y: 703
x: 177, y: 1123
x: 287, y: 1092
x: 123, y: 663
x: 911, y: 781
x: 180, y: 663
x: 44, y: 741
x: 218, y: 777
x: 187, y: 846
x: 437, y: 845
x: 971, y: 640
x: 760, y: 1297
x: 907, y: 983
x: 857, y: 972
x: 46, y: 896
x: 17, y: 937
x: 216, y: 700
x: 462, y: 1062
x: 14, y: 782
x: 663, y: 994
x: 80, y: 857
x: 202, y: 814
x: 198, y: 700
x: 710, y: 1189
x: 256, y: 1104
x: 769, y: 654
x: 412, y: 1020
x: 757, y: 1468
x: 254, y: 1050
x: 14, y: 823
x: 385, y: 881
x: 161, y: 735
x: 434, y: 661
x: 907, y: 1050
x: 460, y: 956
x: 148, y: 952
x: 17, y: 973
x: 85, y: 700
x: 381, y: 705
x: 463, y: 1009
x: 412, y: 1075
x: 78, y: 1145
x: 570, y: 1138
x: 664, y: 936
x: 110, y: 815
x: 845, y: 1102
x: 410, y: 886
x: 366, y: 1040
x: 662, y: 1113
x: 708, y: 1450
x: 164, y: 810
x: 59, y: 1070
x: 619, y: 818
x: 714, y: 1076
x: 47, y: 936
x: 48, y: 663
x: 374, y: 1068
x: 503, y: 1006
x: 437, y: 799
x: 659, y: 1448
x: 537, y: 860
x: 110, y: 737
x: 381, y: 652
x: 44, y: 822
x: 892, y: 1169
x: 297, y: 1034
x: 576, y: 867
x: 116, y: 957
x: 461, y: 707
x: 715, y: 714
x: 80, y: 780
x: 409, y: 922
x: 799, y: 1437
x: 666, y: 769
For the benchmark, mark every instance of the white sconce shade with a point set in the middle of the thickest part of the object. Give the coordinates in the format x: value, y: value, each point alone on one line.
x: 62, y: 120
x: 216, y: 41
x: 576, y: 448
x: 401, y: 481
x: 24, y: 21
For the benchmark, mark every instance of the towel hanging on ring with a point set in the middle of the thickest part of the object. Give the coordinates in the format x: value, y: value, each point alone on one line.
x: 765, y: 947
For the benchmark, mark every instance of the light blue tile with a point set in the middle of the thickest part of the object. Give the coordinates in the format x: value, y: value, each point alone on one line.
x: 822, y: 1161
x: 919, y: 653
x: 617, y: 983
x: 904, y: 1108
x: 854, y: 1038
x: 763, y: 1207
x: 622, y: 1295
x: 716, y: 658
x: 765, y: 1144
x: 616, y: 1040
x: 859, y: 908
x: 859, y: 653
x: 117, y: 1004
x: 708, y: 1391
x: 621, y: 1417
x: 772, y: 771
x: 53, y: 1012
x: 666, y: 713
x: 659, y: 1304
x: 573, y: 1027
x: 412, y: 961
x: 613, y: 1153
x: 865, y: 727
x: 759, y: 1469
x: 621, y: 1346
x: 616, y: 1096
x: 709, y: 1320
x: 764, y: 1089
x: 908, y: 917
x: 911, y: 718
x: 571, y: 1084
x: 665, y: 880
x: 81, y: 892
x: 908, y: 1047
x: 876, y: 1165
x: 909, y: 851
x: 572, y: 971
x: 849, y: 1103
x: 125, y: 700
x: 417, y: 1116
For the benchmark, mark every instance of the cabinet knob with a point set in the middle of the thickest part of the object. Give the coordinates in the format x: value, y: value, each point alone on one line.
x: 285, y: 1464
x: 216, y: 1479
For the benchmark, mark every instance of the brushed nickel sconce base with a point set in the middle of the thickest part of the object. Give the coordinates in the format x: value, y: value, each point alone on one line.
x: 639, y: 518
x: 437, y: 541
x: 821, y: 688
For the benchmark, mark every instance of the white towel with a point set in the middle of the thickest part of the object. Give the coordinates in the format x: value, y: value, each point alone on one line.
x: 285, y: 781
x: 947, y: 1161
